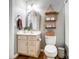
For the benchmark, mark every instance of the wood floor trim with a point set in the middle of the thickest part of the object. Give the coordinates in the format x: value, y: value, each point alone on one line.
x: 16, y: 55
x: 41, y: 56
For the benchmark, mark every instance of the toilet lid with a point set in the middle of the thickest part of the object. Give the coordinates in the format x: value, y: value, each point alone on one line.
x: 50, y: 48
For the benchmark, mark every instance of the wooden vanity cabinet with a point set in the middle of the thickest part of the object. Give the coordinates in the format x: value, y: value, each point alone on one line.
x: 28, y: 45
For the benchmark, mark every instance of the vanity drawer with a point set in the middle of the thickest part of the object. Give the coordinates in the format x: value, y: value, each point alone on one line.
x: 31, y: 43
x: 32, y: 38
x: 22, y: 37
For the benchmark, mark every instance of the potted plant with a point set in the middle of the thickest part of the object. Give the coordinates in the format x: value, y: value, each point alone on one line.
x: 27, y: 29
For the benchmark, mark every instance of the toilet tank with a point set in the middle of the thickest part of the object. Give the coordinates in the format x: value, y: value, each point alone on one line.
x: 50, y: 40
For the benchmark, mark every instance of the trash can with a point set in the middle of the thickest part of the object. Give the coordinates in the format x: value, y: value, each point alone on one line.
x: 61, y: 52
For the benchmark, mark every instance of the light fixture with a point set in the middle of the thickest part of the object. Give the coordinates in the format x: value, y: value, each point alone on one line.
x: 33, y: 7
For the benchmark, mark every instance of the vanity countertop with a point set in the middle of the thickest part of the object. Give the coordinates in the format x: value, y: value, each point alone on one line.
x: 21, y: 32
x: 29, y: 33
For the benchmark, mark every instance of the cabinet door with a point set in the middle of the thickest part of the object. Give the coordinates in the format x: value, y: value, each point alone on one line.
x: 22, y: 45
x: 32, y: 45
x: 38, y: 48
x: 31, y: 50
x: 37, y: 45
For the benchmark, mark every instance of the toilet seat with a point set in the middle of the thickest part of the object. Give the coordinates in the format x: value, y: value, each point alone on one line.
x: 50, y: 49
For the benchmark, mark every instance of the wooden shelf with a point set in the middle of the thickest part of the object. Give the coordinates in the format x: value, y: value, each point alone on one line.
x: 50, y: 27
x: 51, y: 13
x: 50, y: 20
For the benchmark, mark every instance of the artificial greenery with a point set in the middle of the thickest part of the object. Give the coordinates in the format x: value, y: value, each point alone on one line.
x: 27, y: 28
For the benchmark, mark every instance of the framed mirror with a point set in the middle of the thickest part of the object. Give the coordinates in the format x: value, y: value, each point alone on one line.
x: 33, y: 20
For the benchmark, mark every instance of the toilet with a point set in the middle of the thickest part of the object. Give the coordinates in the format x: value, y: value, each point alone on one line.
x: 50, y: 49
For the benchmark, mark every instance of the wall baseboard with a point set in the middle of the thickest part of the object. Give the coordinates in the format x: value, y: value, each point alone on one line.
x: 16, y: 55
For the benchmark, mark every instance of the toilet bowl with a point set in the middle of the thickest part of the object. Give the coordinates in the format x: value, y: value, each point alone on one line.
x: 50, y: 48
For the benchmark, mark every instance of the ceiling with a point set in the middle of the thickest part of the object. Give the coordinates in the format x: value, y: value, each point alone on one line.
x: 56, y: 4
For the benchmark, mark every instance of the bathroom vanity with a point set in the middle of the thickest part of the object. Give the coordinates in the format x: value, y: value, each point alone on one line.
x: 29, y: 43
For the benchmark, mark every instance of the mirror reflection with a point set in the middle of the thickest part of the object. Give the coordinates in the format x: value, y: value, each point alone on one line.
x: 33, y: 20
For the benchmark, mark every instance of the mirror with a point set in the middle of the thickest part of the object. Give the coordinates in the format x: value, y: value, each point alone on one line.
x: 33, y: 20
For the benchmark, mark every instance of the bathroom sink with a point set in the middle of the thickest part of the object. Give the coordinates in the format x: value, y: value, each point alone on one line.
x: 21, y: 32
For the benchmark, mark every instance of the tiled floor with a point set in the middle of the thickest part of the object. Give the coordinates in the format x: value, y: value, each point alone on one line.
x: 41, y: 56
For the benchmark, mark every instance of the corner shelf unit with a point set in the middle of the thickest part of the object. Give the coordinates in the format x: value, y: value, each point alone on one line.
x: 50, y: 21
x: 50, y: 27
